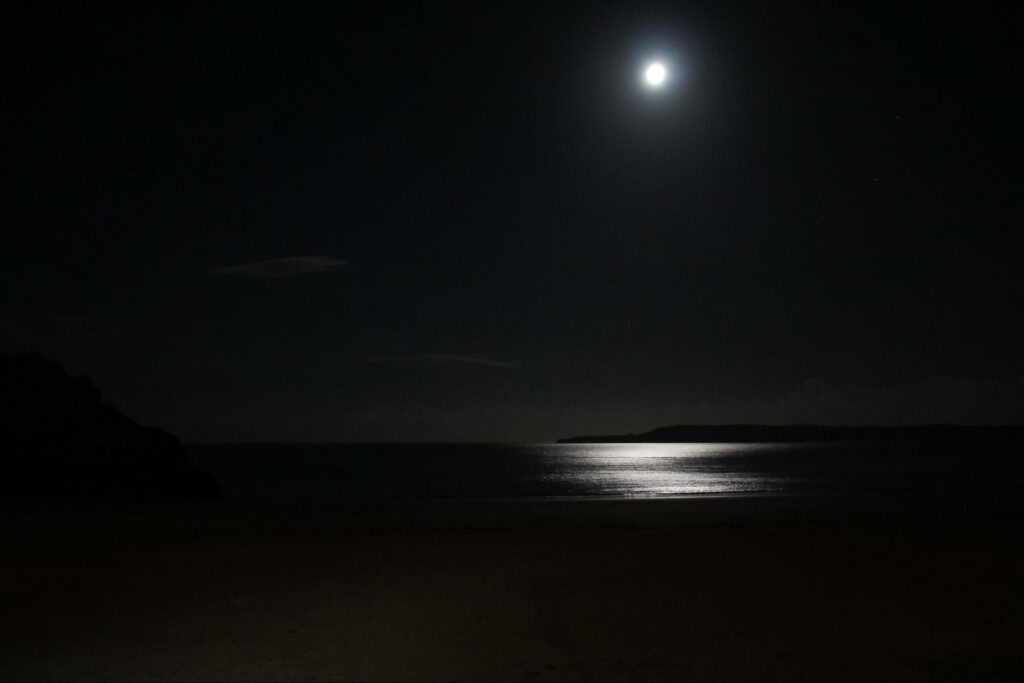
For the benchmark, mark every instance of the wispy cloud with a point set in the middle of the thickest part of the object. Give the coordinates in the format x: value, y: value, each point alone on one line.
x: 468, y: 360
x: 432, y: 358
x: 280, y: 267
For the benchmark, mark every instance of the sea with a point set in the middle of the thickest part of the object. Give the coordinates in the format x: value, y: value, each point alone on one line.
x: 979, y: 471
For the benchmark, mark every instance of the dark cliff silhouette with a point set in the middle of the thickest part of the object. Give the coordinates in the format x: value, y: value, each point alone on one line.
x: 63, y: 442
x: 803, y: 433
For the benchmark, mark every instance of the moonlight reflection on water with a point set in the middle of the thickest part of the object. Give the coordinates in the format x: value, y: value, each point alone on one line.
x: 656, y: 469
x: 347, y: 472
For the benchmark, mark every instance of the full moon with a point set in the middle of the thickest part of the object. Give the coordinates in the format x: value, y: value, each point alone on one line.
x: 655, y: 74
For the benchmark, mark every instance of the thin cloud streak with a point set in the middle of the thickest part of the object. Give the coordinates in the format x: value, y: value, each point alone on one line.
x: 468, y: 360
x: 432, y: 358
x: 279, y: 268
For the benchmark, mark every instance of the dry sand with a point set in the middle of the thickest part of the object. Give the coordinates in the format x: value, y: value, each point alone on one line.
x: 666, y: 590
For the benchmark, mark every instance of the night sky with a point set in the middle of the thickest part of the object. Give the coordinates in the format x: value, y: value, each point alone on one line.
x: 331, y: 222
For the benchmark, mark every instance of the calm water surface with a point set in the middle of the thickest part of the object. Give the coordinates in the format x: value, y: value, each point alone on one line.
x: 345, y: 472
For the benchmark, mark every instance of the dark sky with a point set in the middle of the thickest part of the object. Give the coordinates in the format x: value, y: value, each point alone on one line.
x: 495, y: 232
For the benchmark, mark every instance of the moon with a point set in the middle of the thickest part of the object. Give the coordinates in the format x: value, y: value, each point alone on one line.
x: 655, y: 74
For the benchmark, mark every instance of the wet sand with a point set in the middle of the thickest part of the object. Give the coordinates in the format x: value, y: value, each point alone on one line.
x: 654, y: 590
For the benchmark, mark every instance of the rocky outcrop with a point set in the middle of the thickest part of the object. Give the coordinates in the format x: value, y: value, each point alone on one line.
x: 62, y: 441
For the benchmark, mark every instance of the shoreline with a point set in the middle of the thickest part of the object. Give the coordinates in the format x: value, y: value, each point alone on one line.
x: 705, y: 509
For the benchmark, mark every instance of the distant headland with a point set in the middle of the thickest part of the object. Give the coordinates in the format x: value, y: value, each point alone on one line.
x: 807, y: 432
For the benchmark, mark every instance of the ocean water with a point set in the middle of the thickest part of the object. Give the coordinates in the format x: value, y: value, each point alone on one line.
x: 369, y: 472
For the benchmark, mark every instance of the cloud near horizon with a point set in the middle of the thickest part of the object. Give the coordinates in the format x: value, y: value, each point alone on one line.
x: 280, y: 267
x: 434, y: 358
x: 468, y: 360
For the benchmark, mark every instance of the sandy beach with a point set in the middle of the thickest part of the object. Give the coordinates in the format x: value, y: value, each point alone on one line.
x: 652, y: 590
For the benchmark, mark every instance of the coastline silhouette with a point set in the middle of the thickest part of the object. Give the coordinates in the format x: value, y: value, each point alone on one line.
x: 65, y: 443
x: 809, y: 432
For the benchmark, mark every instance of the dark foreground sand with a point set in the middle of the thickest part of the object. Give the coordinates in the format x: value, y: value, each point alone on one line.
x: 705, y: 589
